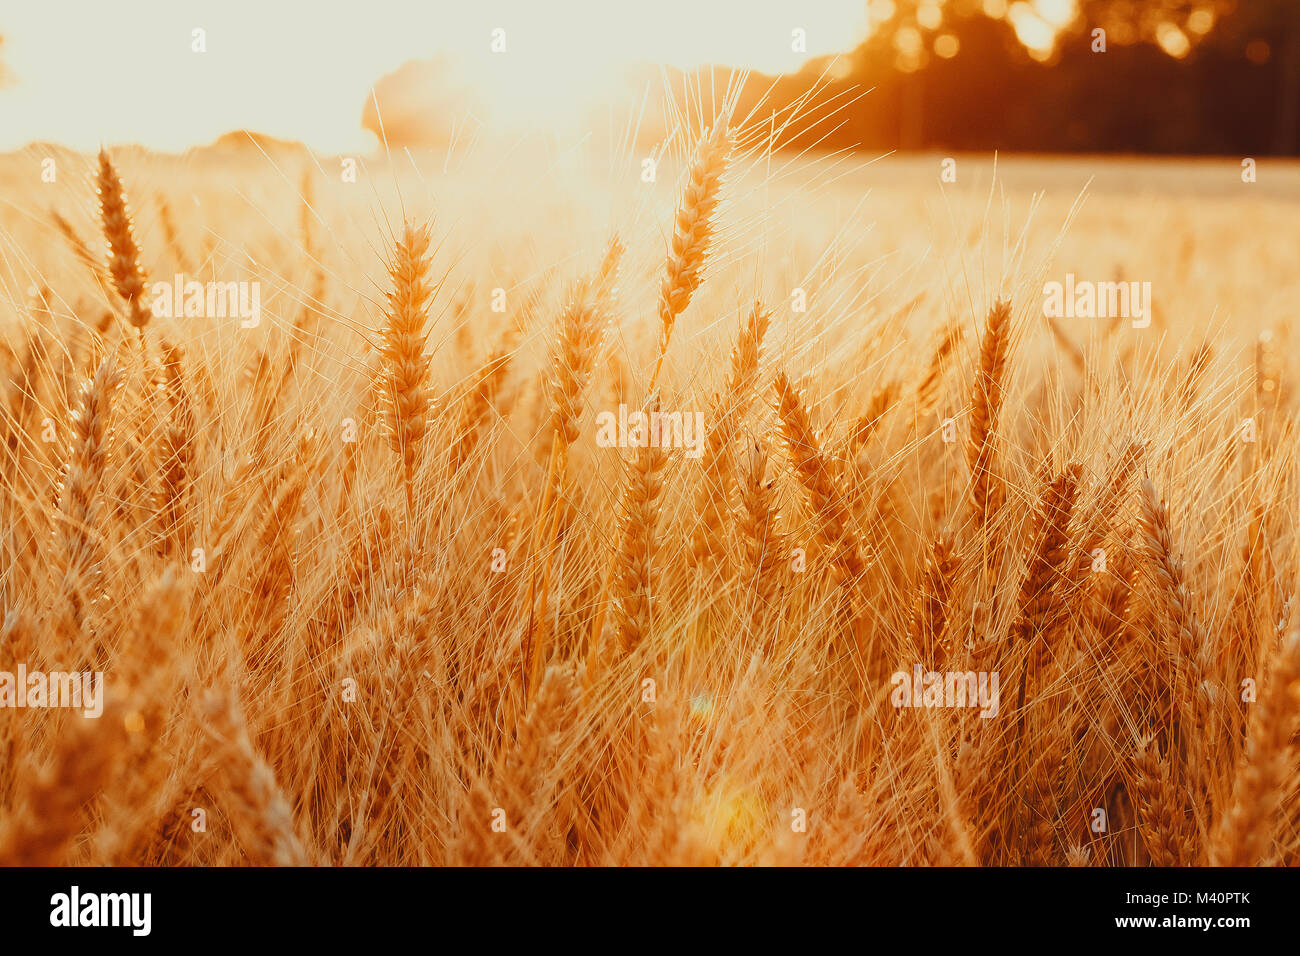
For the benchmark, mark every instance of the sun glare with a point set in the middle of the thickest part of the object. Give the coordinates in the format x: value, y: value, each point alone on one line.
x: 250, y: 65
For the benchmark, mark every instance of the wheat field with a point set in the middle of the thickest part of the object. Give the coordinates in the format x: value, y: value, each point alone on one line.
x: 366, y: 588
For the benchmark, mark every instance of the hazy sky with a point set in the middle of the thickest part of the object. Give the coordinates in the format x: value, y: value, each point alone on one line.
x: 88, y: 71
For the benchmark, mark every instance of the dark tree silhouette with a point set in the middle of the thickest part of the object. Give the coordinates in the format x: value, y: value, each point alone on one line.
x: 1262, y: 33
x: 1177, y: 77
x: 916, y: 35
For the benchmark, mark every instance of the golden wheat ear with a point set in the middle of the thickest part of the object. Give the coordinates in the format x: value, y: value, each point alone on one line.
x: 758, y: 521
x: 933, y: 598
x: 573, y: 357
x: 119, y: 234
x: 634, y: 571
x: 692, y: 231
x: 175, y: 455
x: 583, y: 324
x: 986, y: 407
x: 1039, y: 597
x: 826, y: 501
x: 78, y: 529
x: 728, y: 410
x: 404, y: 386
x: 1161, y: 815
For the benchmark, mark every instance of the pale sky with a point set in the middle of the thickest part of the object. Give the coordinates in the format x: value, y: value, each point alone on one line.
x: 90, y: 71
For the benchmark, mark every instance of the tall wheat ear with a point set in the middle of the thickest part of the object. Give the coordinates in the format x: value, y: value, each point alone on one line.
x: 119, y: 234
x: 986, y: 408
x: 633, y: 577
x: 688, y: 252
x: 583, y: 325
x: 78, y: 529
x: 405, y: 386
x: 693, y: 227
